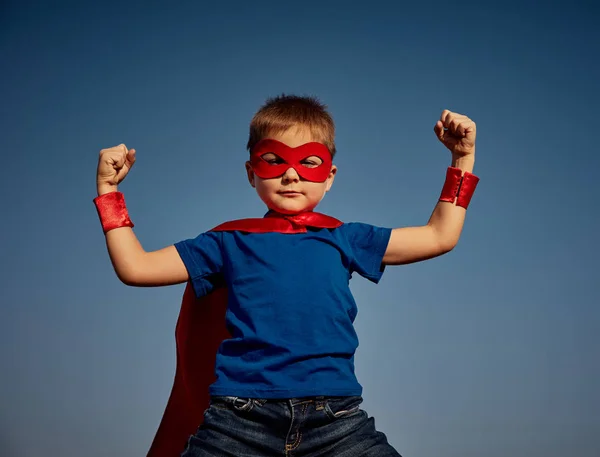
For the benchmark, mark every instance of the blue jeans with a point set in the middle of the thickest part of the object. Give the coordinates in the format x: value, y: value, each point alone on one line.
x: 299, y: 427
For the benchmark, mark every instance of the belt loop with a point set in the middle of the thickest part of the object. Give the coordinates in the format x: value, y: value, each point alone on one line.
x: 247, y: 406
x: 320, y: 403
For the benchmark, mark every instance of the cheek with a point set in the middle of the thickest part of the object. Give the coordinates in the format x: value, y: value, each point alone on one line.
x: 316, y: 191
x: 264, y: 186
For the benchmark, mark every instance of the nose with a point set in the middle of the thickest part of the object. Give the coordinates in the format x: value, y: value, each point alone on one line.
x: 290, y: 175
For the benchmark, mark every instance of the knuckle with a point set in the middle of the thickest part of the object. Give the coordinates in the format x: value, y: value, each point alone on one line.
x: 110, y: 150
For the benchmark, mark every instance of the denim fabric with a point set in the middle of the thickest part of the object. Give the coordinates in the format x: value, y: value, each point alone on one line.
x: 302, y: 427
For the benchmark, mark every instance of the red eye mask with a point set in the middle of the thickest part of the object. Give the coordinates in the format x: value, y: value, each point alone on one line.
x: 292, y: 158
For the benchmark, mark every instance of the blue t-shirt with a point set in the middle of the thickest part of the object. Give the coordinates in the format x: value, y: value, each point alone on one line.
x: 290, y: 310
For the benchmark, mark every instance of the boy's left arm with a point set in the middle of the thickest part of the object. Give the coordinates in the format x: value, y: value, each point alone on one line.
x: 412, y: 244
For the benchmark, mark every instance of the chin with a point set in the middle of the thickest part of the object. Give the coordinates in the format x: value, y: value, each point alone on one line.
x: 290, y: 208
x: 286, y: 210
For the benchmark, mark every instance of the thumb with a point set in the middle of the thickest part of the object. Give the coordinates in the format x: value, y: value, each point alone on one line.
x: 128, y: 163
x: 438, y: 128
x: 130, y: 158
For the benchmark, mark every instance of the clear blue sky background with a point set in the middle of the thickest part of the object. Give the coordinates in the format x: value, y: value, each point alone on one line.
x: 493, y: 349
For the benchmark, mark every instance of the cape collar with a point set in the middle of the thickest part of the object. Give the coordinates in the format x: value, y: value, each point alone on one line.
x: 280, y: 223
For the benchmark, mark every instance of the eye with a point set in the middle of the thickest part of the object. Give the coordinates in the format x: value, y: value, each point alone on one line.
x: 312, y: 162
x: 272, y: 159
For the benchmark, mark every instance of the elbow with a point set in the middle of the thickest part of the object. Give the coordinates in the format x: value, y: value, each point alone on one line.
x: 127, y: 276
x: 445, y: 249
x: 445, y: 240
x: 447, y: 244
x: 127, y: 281
x: 130, y: 269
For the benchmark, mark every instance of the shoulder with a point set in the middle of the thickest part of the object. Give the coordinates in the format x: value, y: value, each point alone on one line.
x: 351, y: 228
x: 363, y: 234
x: 204, y: 240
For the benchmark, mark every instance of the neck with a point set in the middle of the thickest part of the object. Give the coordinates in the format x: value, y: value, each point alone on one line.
x: 273, y: 213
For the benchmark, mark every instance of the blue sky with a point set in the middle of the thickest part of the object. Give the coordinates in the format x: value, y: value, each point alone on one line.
x: 489, y: 350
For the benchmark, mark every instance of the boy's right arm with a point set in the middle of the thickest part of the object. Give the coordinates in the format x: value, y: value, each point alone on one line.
x: 133, y: 265
x: 136, y: 267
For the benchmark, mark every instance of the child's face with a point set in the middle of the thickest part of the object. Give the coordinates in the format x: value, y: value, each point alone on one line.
x: 290, y: 193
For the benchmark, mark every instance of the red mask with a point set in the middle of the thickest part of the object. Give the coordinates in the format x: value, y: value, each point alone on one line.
x: 292, y: 158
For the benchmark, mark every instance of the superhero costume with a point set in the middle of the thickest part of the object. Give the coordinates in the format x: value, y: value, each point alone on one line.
x: 201, y: 323
x: 200, y: 327
x: 200, y: 331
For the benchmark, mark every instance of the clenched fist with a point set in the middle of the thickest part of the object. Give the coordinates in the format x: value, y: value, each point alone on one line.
x: 113, y: 165
x: 457, y: 132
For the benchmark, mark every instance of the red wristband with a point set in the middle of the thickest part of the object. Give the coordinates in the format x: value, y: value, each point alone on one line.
x: 112, y: 211
x: 458, y: 187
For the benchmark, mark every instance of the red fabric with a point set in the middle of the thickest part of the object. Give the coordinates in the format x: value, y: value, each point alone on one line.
x: 451, y: 185
x: 112, y: 211
x: 458, y: 186
x: 198, y: 335
x: 292, y: 158
x: 199, y: 332
x: 467, y: 189
x: 274, y: 222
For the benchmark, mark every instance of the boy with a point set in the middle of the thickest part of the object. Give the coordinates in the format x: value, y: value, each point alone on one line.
x: 285, y: 382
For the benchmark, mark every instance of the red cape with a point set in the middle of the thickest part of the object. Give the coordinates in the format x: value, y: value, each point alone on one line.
x: 200, y: 331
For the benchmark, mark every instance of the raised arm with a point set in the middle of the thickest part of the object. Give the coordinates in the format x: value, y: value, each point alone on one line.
x: 133, y: 265
x: 442, y: 232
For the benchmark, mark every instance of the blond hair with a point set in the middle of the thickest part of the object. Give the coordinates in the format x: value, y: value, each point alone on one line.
x: 280, y: 113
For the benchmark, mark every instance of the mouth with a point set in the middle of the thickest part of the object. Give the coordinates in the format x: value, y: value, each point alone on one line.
x: 289, y: 193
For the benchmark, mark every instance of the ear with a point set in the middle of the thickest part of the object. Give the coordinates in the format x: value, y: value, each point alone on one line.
x: 330, y: 178
x: 250, y: 173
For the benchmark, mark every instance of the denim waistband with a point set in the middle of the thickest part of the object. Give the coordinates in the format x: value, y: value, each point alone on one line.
x: 240, y: 402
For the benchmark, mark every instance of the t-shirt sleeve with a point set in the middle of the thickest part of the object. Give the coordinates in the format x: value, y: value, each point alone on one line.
x: 368, y: 244
x: 203, y: 258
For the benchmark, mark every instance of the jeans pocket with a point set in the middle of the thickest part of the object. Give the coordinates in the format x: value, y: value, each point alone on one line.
x: 340, y: 407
